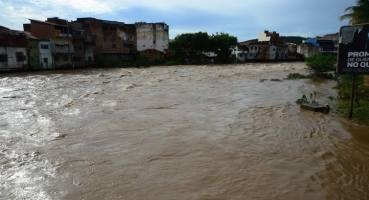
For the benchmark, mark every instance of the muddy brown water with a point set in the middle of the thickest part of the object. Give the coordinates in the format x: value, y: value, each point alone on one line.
x: 183, y: 132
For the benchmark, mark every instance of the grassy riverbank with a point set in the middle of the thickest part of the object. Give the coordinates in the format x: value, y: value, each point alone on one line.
x: 361, y: 101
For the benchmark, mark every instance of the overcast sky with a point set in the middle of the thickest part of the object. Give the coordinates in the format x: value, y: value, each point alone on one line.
x: 243, y: 19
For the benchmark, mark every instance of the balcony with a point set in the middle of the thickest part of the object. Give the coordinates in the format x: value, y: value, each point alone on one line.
x: 78, y: 36
x: 55, y: 48
x: 64, y: 35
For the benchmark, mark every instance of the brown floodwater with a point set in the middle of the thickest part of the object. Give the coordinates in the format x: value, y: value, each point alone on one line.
x: 181, y: 132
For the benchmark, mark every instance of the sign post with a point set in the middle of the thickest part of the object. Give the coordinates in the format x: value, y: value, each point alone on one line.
x: 353, y: 54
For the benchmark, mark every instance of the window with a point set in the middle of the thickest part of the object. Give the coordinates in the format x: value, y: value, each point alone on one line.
x: 79, y: 47
x: 113, y: 45
x: 56, y: 59
x: 45, y: 60
x: 3, y: 58
x: 44, y: 46
x: 113, y: 37
x: 34, y: 59
x: 20, y: 56
x: 77, y: 59
x: 94, y: 36
x: 66, y: 58
x: 105, y: 38
x: 31, y: 47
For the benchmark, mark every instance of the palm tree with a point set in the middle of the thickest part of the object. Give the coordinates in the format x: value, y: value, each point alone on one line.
x: 358, y: 14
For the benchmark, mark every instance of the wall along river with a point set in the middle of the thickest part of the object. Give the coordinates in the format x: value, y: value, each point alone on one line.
x: 183, y: 132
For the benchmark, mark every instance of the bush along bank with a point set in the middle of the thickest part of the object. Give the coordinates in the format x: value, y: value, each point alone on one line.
x: 323, y: 66
x: 360, y: 113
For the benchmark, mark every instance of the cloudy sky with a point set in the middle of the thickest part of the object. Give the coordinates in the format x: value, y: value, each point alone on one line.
x: 241, y: 18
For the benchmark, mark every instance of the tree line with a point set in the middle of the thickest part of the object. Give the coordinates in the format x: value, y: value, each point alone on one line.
x: 194, y: 48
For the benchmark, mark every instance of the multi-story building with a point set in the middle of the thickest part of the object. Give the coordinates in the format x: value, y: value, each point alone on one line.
x: 114, y: 41
x: 58, y: 33
x: 13, y: 51
x: 79, y: 44
x: 311, y: 46
x: 33, y: 49
x: 241, y: 51
x: 152, y: 38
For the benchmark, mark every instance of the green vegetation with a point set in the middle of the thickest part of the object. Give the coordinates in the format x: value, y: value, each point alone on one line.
x: 319, y: 64
x: 361, y: 100
x: 293, y: 76
x: 294, y: 39
x: 145, y: 61
x: 304, y: 99
x: 190, y: 48
x: 357, y: 14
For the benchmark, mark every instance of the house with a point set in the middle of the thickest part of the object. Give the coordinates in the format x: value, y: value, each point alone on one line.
x: 113, y: 40
x: 13, y: 51
x: 33, y: 49
x: 78, y: 44
x: 55, y: 34
x: 152, y: 38
x: 269, y: 46
x: 311, y: 46
x: 272, y: 37
x: 241, y: 51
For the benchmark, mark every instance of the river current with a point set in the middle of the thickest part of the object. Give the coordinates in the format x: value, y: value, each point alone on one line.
x: 179, y: 132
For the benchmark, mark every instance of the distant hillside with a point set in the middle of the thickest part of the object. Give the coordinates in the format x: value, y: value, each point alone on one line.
x: 294, y: 39
x: 291, y: 39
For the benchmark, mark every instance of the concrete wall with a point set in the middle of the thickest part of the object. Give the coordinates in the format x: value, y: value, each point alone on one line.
x: 152, y: 36
x: 46, y: 59
x: 16, y: 58
x: 33, y: 54
x: 262, y: 37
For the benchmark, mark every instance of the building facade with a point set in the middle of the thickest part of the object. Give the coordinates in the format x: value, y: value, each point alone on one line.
x: 152, y: 37
x: 13, y: 50
x: 58, y: 33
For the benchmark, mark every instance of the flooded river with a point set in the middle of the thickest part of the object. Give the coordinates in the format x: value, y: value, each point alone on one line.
x: 183, y: 132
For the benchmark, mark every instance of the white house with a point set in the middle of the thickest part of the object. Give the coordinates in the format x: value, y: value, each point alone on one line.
x: 46, y: 58
x: 241, y: 52
x: 13, y: 52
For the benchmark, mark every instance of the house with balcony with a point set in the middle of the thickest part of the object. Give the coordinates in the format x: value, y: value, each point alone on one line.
x: 114, y: 41
x: 13, y: 50
x: 241, y: 51
x: 56, y: 34
x: 78, y: 44
x: 312, y: 46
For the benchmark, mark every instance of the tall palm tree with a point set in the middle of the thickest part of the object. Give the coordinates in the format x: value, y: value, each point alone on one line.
x: 358, y: 14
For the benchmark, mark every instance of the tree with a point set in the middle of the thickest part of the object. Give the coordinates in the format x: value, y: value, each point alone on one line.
x: 189, y: 48
x: 357, y: 14
x: 222, y: 45
x: 320, y: 64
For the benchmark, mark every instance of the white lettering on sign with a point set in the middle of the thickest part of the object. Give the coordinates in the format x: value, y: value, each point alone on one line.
x: 358, y: 54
